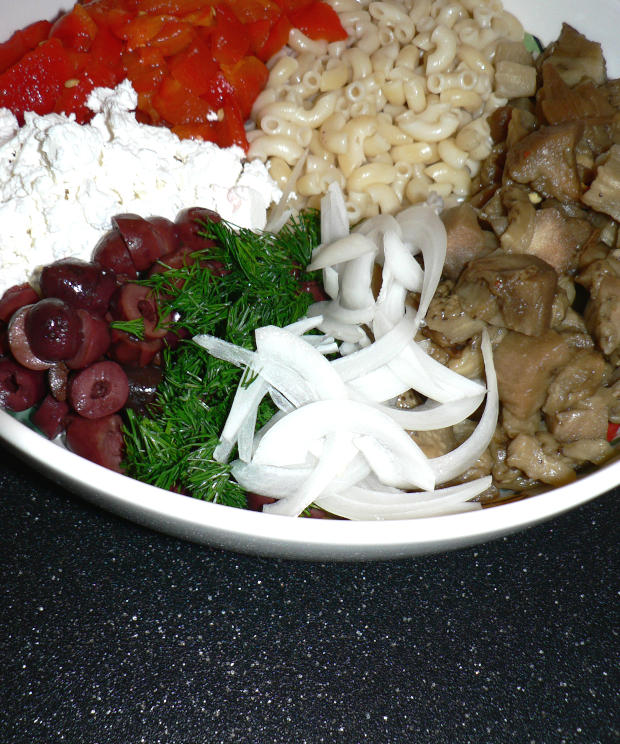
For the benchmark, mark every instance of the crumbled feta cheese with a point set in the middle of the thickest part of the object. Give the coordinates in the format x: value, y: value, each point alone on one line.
x: 62, y: 182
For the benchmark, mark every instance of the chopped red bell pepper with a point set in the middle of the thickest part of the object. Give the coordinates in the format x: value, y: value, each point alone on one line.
x: 612, y: 431
x: 36, y: 81
x: 318, y: 21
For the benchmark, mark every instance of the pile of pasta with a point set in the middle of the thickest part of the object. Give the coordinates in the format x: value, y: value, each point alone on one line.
x: 396, y: 111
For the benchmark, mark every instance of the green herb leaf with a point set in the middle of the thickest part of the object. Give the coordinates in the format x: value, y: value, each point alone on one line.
x: 135, y: 327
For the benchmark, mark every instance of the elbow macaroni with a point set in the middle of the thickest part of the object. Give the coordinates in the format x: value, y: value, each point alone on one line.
x: 394, y: 113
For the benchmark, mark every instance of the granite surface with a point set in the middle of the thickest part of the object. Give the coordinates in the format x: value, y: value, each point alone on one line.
x: 113, y: 634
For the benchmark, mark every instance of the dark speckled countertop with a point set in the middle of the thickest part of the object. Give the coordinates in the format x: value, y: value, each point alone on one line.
x: 113, y: 634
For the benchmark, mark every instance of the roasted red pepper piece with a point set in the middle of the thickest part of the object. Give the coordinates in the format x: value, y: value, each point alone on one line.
x: 22, y: 41
x: 318, y: 21
x: 230, y: 128
x: 249, y: 11
x: 277, y: 38
x: 74, y: 95
x: 75, y: 29
x: 36, y: 81
x: 177, y: 106
x: 174, y: 37
x: 194, y: 67
x: 248, y: 77
x: 230, y: 42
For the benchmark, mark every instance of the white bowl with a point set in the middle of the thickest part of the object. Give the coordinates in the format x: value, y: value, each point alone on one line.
x: 273, y: 535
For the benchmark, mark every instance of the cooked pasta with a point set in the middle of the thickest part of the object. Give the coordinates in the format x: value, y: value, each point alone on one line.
x: 396, y: 112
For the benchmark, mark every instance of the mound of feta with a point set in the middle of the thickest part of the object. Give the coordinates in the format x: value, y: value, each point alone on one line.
x: 62, y: 182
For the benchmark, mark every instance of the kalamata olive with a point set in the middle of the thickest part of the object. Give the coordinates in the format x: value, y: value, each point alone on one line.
x: 15, y: 297
x: 143, y: 382
x: 19, y: 343
x: 99, y: 440
x: 189, y: 225
x: 112, y: 253
x: 99, y: 390
x: 315, y: 289
x: 95, y: 340
x: 20, y: 388
x: 53, y: 330
x: 58, y: 380
x: 143, y: 240
x: 4, y: 340
x: 127, y: 349
x: 167, y: 231
x: 81, y: 284
x: 174, y: 337
x: 51, y: 416
x: 133, y: 301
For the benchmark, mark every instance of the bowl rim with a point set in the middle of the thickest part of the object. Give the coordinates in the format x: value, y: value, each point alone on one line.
x: 271, y: 534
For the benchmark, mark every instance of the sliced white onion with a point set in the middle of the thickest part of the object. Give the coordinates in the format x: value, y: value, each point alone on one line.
x: 424, y: 230
x: 432, y: 415
x: 288, y: 442
x: 283, y: 348
x: 381, y: 352
x: 369, y: 504
x: 245, y: 404
x: 334, y: 217
x: 221, y: 349
x: 454, y: 463
x: 355, y: 283
x: 345, y: 249
x: 337, y: 445
x: 401, y: 263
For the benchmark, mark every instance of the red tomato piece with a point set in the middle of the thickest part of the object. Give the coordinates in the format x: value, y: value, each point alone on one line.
x: 318, y: 21
x: 194, y: 67
x: 170, y: 7
x: 248, y: 77
x: 22, y: 41
x: 75, y: 29
x: 36, y: 81
x: 230, y: 42
x: 177, y: 106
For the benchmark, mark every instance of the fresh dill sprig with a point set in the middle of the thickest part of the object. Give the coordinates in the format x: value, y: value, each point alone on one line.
x: 240, y: 281
x: 135, y: 327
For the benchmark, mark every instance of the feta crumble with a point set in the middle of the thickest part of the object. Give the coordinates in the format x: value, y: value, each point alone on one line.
x: 61, y: 182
